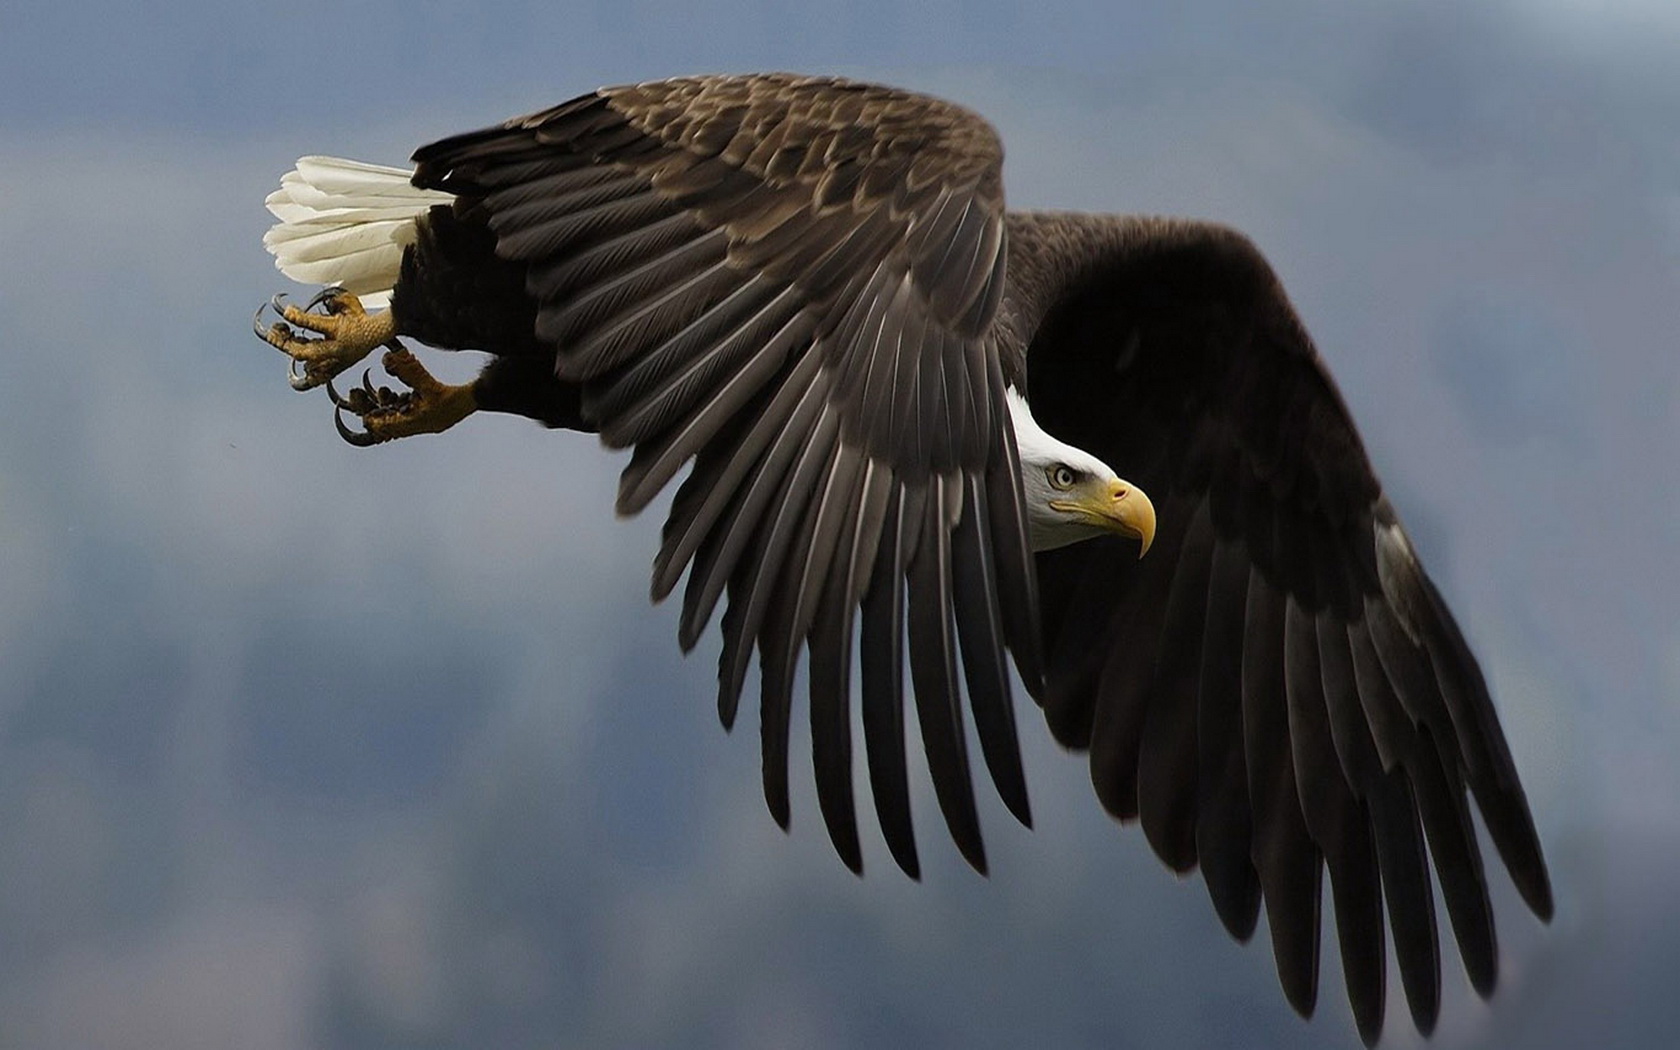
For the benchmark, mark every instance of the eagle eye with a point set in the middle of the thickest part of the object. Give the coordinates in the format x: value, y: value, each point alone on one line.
x: 1062, y: 477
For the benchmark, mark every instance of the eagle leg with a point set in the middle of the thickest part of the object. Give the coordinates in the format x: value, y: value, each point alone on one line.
x: 344, y: 334
x: 426, y: 407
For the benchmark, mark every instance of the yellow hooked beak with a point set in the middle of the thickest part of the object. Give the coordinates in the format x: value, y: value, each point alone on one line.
x: 1115, y: 506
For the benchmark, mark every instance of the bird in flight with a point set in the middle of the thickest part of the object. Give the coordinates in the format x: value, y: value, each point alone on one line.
x: 922, y: 429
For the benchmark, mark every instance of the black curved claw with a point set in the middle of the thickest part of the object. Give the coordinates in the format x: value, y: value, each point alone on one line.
x: 322, y: 296
x: 262, y: 332
x: 298, y: 381
x: 362, y: 439
x: 338, y: 400
x: 367, y: 385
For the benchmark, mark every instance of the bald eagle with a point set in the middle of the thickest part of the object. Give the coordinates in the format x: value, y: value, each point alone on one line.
x: 905, y: 413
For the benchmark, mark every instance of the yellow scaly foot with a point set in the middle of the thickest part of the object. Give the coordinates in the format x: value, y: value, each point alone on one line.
x: 427, y: 407
x: 344, y: 334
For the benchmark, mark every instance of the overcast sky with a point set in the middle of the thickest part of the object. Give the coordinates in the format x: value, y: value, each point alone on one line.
x: 307, y: 746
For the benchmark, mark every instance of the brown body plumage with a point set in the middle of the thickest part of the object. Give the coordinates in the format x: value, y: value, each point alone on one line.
x: 810, y: 290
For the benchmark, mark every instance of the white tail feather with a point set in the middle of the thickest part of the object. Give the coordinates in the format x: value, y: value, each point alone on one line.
x: 344, y: 222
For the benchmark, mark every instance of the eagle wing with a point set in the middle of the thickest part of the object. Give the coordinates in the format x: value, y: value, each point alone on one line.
x: 790, y: 282
x: 1278, y: 687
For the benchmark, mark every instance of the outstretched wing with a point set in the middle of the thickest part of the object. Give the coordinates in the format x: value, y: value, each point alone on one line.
x: 790, y: 283
x: 1278, y: 687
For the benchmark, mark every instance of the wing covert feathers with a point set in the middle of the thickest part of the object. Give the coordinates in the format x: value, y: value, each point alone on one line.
x: 787, y: 285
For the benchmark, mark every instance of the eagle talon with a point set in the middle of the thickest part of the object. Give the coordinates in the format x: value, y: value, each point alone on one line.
x: 426, y: 407
x: 257, y: 325
x: 325, y: 298
x: 327, y: 336
x: 307, y: 377
x: 277, y: 333
x: 364, y: 399
x: 360, y: 439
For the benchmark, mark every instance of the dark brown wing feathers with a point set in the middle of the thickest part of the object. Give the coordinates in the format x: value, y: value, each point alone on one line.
x: 789, y: 283
x: 1277, y: 690
x: 796, y: 288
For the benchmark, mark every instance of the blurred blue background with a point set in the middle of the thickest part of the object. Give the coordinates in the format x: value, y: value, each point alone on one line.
x: 304, y: 746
